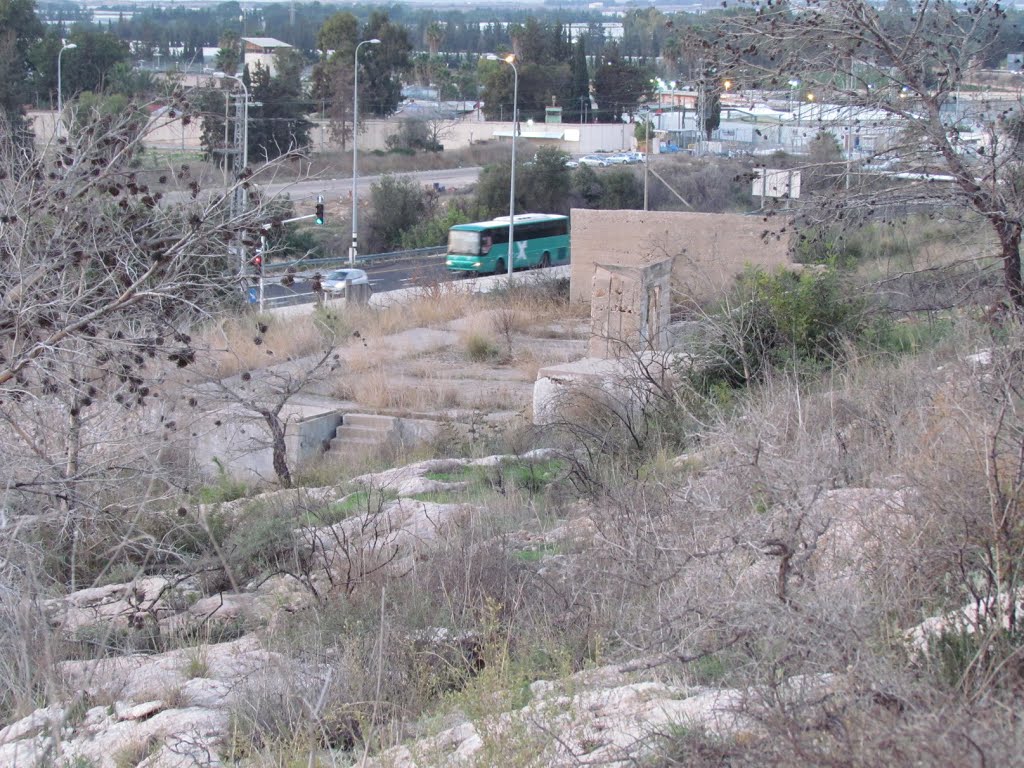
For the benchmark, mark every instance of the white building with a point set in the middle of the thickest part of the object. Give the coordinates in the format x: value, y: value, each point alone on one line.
x: 262, y: 50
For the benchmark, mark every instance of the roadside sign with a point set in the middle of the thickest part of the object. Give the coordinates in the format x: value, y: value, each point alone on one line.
x: 254, y: 295
x: 776, y: 183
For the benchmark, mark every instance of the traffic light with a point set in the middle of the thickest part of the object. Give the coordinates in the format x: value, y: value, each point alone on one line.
x: 319, y: 209
x: 257, y: 263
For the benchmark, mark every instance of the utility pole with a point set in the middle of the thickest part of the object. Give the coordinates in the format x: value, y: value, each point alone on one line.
x: 647, y: 151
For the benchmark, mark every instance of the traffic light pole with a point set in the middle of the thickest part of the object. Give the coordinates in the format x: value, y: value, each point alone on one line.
x: 261, y: 255
x: 263, y: 250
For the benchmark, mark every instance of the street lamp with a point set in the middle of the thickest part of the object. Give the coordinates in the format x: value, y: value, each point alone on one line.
x: 510, y: 59
x: 60, y: 97
x: 793, y: 85
x: 354, y: 250
x: 647, y: 149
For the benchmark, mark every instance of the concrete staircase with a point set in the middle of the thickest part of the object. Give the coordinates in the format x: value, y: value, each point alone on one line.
x: 363, y: 432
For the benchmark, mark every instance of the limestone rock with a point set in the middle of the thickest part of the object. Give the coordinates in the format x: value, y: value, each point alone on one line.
x: 600, y: 717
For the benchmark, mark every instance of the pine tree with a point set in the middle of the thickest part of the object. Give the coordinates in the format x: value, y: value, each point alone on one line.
x: 579, y: 82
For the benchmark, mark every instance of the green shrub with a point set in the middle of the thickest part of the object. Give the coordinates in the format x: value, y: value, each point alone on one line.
x: 974, y: 662
x: 224, y: 489
x: 779, y: 319
x: 433, y: 230
x: 906, y: 337
x: 480, y: 348
x: 263, y: 541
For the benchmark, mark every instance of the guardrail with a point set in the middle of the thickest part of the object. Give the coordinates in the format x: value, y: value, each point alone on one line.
x: 308, y: 297
x: 337, y: 262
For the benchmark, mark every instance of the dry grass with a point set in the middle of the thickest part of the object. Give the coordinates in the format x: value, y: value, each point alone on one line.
x: 333, y: 162
x: 248, y: 342
x: 528, y: 362
x: 373, y: 389
x: 436, y: 305
x: 376, y: 388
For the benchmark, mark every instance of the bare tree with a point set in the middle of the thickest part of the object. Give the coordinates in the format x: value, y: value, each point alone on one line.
x: 267, y: 392
x: 891, y: 79
x: 101, y: 279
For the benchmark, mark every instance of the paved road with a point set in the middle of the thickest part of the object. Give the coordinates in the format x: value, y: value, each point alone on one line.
x: 383, y: 277
x: 342, y: 188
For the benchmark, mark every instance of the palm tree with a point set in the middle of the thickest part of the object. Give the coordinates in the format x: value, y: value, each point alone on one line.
x: 671, y: 53
x: 434, y: 36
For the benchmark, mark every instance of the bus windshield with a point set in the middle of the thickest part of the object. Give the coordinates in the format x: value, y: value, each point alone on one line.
x: 463, y: 242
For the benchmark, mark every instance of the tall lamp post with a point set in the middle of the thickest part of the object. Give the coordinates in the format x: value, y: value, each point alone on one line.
x: 647, y: 149
x: 354, y: 250
x: 60, y: 96
x: 510, y: 59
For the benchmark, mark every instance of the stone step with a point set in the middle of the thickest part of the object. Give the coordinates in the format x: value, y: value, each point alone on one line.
x: 352, y: 444
x: 370, y: 420
x: 362, y: 432
x: 367, y: 434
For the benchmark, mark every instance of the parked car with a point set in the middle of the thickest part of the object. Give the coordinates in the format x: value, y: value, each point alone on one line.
x: 619, y: 158
x: 593, y: 160
x: 636, y: 157
x: 334, y: 281
x: 570, y: 163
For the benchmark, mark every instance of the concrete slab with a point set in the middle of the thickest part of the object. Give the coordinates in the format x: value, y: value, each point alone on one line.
x: 620, y: 384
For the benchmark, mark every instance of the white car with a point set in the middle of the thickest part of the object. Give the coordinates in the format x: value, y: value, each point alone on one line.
x: 334, y: 281
x: 593, y: 160
x: 619, y: 158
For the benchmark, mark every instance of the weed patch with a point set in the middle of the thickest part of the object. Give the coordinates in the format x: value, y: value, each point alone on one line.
x: 353, y: 504
x: 535, y: 554
x: 480, y: 348
x: 224, y: 489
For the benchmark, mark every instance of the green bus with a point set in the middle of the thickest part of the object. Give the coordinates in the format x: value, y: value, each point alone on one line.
x: 541, y: 240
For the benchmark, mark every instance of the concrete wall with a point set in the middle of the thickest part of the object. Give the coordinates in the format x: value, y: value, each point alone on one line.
x: 163, y: 133
x: 170, y: 134
x: 710, y: 249
x: 577, y: 139
x: 238, y: 441
x: 307, y: 438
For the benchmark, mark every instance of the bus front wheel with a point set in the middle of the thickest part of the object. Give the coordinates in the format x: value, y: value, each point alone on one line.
x: 499, y: 267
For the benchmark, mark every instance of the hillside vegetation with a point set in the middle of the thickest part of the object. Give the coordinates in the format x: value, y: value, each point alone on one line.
x: 803, y: 547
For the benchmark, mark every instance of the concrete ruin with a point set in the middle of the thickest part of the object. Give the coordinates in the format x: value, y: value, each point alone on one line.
x: 631, y: 266
x: 234, y: 441
x: 628, y: 354
x: 709, y: 249
x: 629, y: 309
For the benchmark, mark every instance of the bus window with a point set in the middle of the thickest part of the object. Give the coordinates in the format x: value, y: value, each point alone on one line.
x: 463, y: 242
x: 485, y: 244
